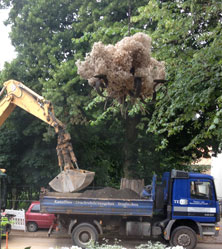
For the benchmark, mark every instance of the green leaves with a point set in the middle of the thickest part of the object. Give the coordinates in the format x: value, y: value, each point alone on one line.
x: 187, y: 113
x: 187, y: 36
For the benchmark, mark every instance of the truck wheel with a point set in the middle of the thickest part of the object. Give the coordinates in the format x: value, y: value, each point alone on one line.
x: 84, y: 234
x: 32, y: 227
x: 183, y: 236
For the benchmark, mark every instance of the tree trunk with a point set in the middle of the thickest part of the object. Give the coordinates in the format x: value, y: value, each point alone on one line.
x: 14, y: 198
x: 135, y: 185
x: 130, y: 152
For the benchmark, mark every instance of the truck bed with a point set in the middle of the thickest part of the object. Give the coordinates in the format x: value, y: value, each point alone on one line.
x: 73, y: 203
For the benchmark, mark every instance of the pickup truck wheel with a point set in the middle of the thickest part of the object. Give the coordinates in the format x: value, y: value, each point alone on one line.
x: 184, y: 236
x: 32, y: 227
x: 84, y: 234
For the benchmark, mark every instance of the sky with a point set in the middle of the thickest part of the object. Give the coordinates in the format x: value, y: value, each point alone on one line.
x: 7, y: 52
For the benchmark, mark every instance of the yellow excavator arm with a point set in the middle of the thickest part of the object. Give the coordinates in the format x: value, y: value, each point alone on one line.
x: 20, y: 95
x: 17, y: 94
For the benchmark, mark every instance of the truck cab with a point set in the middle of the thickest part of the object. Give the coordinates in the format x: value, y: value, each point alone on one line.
x: 191, y: 206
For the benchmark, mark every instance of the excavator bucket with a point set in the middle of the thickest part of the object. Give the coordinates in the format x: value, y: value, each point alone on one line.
x: 72, y: 180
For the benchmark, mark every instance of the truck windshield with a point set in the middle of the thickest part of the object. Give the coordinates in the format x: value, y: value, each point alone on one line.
x: 200, y: 190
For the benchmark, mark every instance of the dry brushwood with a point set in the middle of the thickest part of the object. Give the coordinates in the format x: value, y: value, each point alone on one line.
x: 126, y: 69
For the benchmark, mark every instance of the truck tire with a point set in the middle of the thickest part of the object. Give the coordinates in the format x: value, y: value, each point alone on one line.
x: 84, y: 234
x: 184, y: 236
x: 32, y: 227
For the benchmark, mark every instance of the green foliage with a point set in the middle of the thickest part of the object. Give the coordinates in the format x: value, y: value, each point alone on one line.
x: 136, y: 139
x: 187, y: 36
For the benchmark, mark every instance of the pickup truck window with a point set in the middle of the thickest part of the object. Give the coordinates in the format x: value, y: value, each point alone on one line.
x: 35, y: 208
x: 200, y: 190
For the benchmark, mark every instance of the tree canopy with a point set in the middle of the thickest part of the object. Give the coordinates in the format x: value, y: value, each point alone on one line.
x: 114, y: 140
x: 188, y: 36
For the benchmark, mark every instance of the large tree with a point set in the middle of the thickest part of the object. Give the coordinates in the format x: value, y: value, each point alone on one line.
x: 43, y: 34
x: 49, y: 36
x: 59, y: 37
x: 136, y: 116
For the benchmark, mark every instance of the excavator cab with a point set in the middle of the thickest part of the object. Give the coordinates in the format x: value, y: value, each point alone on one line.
x: 71, y: 178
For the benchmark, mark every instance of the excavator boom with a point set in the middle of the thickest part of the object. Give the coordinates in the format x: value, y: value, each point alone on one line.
x: 20, y: 95
x: 71, y: 178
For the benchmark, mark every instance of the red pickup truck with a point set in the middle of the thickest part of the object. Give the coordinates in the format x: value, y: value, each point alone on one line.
x: 35, y: 220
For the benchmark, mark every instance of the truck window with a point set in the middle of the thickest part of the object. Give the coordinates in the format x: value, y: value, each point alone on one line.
x: 200, y: 190
x: 35, y: 208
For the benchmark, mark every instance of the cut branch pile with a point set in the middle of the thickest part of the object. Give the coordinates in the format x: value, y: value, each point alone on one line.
x: 126, y: 69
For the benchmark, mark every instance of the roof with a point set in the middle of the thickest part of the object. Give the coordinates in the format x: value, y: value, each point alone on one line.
x: 199, y: 175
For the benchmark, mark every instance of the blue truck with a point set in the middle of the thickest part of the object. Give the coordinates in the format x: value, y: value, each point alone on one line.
x: 180, y: 208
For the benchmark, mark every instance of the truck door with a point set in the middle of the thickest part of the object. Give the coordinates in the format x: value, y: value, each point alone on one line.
x: 202, y: 200
x: 194, y: 198
x: 180, y: 189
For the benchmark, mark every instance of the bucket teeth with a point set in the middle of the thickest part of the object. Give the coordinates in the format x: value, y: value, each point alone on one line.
x: 72, y: 180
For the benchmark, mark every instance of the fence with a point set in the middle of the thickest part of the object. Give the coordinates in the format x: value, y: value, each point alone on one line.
x: 18, y: 222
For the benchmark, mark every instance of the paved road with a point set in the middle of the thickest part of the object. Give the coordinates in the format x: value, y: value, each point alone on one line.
x: 36, y: 243
x: 208, y: 246
x: 39, y: 240
x: 16, y: 242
